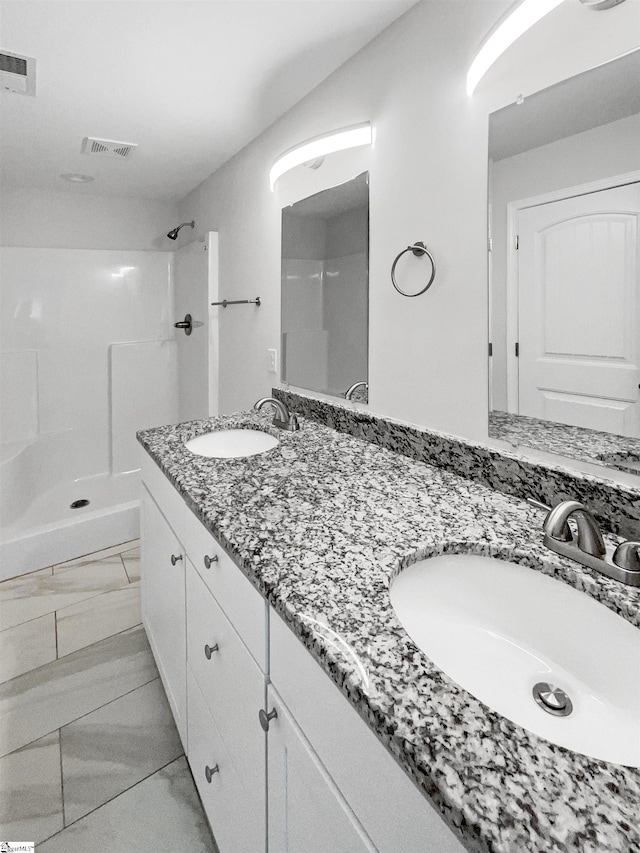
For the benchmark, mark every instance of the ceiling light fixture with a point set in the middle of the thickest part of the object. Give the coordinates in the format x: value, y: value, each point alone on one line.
x: 319, y: 146
x: 518, y: 21
x: 75, y: 178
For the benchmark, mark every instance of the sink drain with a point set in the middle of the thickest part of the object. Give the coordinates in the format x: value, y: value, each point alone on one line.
x: 79, y: 504
x: 552, y: 699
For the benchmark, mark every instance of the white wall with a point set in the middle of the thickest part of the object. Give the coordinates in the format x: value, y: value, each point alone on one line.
x: 428, y: 181
x: 76, y: 220
x: 605, y: 151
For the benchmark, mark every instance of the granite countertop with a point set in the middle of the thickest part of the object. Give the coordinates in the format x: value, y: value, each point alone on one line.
x: 601, y: 448
x: 321, y: 525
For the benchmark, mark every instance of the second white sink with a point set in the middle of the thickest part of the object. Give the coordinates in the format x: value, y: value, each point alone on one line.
x: 232, y: 443
x: 500, y: 629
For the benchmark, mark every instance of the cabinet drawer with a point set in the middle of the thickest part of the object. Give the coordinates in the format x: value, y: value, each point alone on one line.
x: 238, y: 827
x: 243, y: 605
x: 231, y: 682
x: 396, y: 816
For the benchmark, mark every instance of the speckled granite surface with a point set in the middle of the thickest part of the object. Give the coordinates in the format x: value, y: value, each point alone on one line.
x: 616, y: 507
x: 601, y: 448
x: 320, y: 525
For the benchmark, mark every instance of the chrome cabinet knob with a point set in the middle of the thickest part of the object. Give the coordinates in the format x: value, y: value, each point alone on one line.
x: 208, y: 560
x: 266, y: 718
x: 175, y: 559
x: 209, y: 772
x: 209, y: 650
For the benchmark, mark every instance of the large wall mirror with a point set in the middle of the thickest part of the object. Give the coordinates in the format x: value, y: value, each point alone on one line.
x: 325, y: 290
x: 564, y: 268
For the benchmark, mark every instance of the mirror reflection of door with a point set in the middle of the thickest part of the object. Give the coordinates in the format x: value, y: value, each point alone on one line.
x: 578, y: 305
x: 564, y: 295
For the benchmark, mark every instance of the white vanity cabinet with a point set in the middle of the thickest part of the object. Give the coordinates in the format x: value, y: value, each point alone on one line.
x: 210, y: 644
x: 319, y: 781
x: 390, y: 812
x: 163, y: 605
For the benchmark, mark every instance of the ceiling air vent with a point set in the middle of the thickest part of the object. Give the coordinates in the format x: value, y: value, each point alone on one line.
x: 17, y: 73
x: 108, y: 148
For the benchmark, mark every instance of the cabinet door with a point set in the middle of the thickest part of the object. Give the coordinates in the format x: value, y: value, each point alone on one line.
x: 396, y: 815
x: 237, y: 827
x: 163, y: 606
x: 306, y: 812
x: 233, y: 688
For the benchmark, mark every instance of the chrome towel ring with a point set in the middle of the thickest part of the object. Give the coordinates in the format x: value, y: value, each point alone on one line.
x: 419, y: 249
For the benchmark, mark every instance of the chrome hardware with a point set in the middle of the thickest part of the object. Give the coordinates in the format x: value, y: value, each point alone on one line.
x: 173, y: 234
x: 552, y: 699
x: 348, y: 394
x: 627, y: 556
x: 175, y: 559
x: 226, y: 302
x: 538, y: 504
x: 209, y: 771
x: 282, y: 417
x: 185, y: 324
x: 419, y: 249
x: 209, y: 650
x: 588, y: 547
x: 209, y: 560
x: 590, y: 539
x: 266, y: 718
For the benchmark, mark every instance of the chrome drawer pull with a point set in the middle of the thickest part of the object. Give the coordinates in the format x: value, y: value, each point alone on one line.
x: 208, y: 651
x: 265, y: 718
x: 208, y: 560
x: 175, y: 559
x: 209, y: 771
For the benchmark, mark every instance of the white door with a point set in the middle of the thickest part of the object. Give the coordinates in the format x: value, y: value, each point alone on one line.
x: 195, y: 273
x: 579, y: 311
x: 307, y: 813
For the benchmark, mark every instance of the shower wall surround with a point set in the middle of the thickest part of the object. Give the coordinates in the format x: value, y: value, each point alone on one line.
x: 87, y: 357
x: 86, y: 335
x: 616, y: 506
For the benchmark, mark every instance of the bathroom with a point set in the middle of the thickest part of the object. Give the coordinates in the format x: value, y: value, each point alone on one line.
x: 427, y: 166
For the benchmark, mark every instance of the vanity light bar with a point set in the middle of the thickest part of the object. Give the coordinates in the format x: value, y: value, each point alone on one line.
x: 319, y: 146
x: 522, y: 18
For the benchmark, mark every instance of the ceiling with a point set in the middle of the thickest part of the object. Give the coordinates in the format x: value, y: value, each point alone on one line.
x: 190, y: 81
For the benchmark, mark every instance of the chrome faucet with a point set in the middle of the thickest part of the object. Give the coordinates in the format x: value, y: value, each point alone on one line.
x: 588, y: 547
x: 282, y: 417
x: 348, y: 394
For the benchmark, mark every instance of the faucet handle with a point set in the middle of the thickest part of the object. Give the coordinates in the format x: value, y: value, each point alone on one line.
x: 627, y: 556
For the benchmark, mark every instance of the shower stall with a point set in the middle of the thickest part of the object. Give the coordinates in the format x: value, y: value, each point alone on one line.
x: 88, y: 356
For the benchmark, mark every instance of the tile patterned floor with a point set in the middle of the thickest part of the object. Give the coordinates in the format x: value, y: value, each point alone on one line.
x: 90, y: 759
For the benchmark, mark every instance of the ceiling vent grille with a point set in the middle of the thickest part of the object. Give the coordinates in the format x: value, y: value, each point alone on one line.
x: 17, y: 73
x: 108, y: 148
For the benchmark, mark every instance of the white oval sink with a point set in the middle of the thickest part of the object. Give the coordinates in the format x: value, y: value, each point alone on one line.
x: 498, y: 629
x: 231, y: 443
